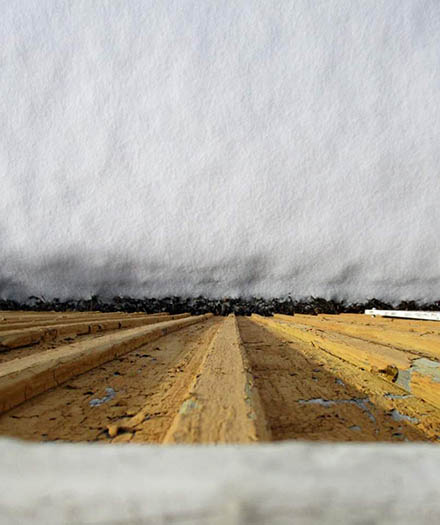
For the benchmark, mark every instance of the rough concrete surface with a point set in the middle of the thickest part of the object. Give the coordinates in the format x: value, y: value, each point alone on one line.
x: 298, y: 483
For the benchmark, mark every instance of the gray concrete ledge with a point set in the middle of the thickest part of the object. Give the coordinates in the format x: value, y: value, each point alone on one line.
x: 274, y: 484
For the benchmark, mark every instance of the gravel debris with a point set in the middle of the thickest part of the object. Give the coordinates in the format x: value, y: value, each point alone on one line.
x: 202, y: 305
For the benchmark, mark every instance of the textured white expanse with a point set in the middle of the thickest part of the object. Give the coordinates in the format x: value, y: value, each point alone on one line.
x: 236, y: 147
x: 283, y: 484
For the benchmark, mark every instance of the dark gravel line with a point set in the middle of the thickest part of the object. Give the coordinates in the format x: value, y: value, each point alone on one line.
x: 202, y: 305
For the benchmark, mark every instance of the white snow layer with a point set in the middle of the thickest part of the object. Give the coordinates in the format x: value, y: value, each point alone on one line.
x: 237, y: 147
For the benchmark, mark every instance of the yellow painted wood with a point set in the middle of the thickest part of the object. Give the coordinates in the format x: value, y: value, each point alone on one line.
x: 33, y: 335
x: 22, y: 379
x: 428, y: 344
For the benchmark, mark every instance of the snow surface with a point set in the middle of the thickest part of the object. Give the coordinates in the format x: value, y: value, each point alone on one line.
x: 237, y: 147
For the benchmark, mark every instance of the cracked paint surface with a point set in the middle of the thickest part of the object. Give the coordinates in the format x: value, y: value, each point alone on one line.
x: 280, y: 388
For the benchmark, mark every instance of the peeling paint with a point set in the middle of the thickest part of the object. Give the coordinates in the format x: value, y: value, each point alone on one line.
x: 422, y: 366
x: 319, y: 401
x: 397, y: 416
x: 427, y: 367
x: 404, y: 379
x: 359, y: 402
x: 100, y: 401
x: 188, y: 406
x: 397, y: 396
x: 362, y: 404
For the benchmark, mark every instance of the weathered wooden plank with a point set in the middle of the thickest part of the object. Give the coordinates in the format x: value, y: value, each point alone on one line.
x: 33, y: 335
x: 221, y: 406
x: 22, y: 379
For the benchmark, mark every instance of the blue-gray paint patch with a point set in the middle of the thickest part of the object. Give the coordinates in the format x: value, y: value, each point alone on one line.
x: 110, y: 394
x: 361, y: 402
x: 397, y: 416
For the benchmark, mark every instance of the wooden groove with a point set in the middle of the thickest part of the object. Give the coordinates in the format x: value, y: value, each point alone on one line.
x: 22, y: 379
x: 427, y: 345
x: 220, y: 406
x: 409, y: 325
x: 12, y: 323
x: 418, y: 376
x: 29, y: 336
